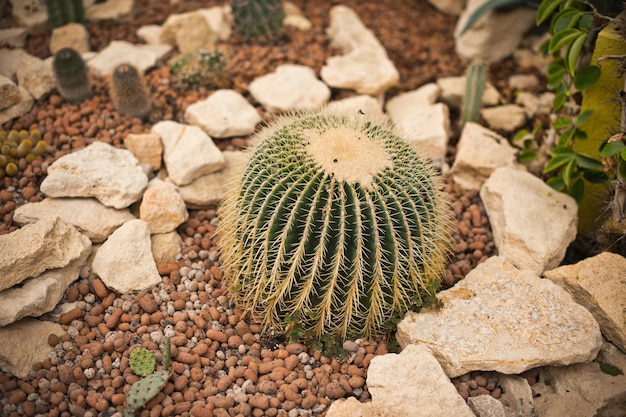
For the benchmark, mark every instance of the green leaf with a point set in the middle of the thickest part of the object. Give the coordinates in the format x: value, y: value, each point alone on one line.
x: 559, y: 100
x: 564, y: 19
x: 562, y: 123
x: 556, y: 66
x: 586, y: 77
x: 612, y: 148
x: 563, y: 150
x: 623, y: 154
x: 580, y: 134
x: 527, y: 156
x: 587, y: 162
x: 578, y: 190
x: 566, y: 137
x: 610, y: 369
x: 586, y: 22
x: 563, y: 38
x: 546, y: 8
x: 569, y: 173
x: 556, y: 183
x: 582, y: 117
x: 573, y: 52
x: 557, y: 162
x: 520, y: 134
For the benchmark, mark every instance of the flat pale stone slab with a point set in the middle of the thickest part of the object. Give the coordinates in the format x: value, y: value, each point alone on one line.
x: 504, y: 319
x: 598, y: 284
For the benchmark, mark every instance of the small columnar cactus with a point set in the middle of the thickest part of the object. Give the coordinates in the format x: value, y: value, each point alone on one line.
x: 70, y: 73
x: 148, y: 387
x: 142, y: 362
x: 475, y: 82
x: 129, y: 92
x: 62, y: 12
x: 334, y: 220
x: 257, y: 19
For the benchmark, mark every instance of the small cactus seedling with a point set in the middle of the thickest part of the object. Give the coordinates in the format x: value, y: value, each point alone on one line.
x: 475, y: 81
x: 70, y: 73
x: 148, y: 387
x: 142, y: 362
x: 16, y: 145
x: 337, y: 220
x: 257, y: 19
x: 129, y: 92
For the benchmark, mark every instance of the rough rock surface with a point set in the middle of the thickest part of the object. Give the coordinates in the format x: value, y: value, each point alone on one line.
x: 532, y: 223
x: 504, y: 319
x: 125, y: 262
x: 598, y: 284
x: 486, y: 406
x: 111, y: 175
x: 146, y: 147
x: 225, y: 113
x: 162, y: 207
x: 25, y: 343
x: 188, y: 152
x: 89, y: 216
x: 479, y: 152
x: 117, y: 52
x: 35, y: 75
x: 35, y: 248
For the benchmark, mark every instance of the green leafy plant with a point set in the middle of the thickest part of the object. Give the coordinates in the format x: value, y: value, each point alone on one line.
x: 148, y: 387
x: 529, y: 143
x: 70, y: 73
x: 257, y: 19
x: 62, y: 12
x: 315, y: 224
x: 475, y: 81
x: 571, y: 24
x: 129, y: 92
x: 204, y: 68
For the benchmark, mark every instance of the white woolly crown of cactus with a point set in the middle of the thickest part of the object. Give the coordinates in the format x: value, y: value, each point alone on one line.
x: 335, y: 220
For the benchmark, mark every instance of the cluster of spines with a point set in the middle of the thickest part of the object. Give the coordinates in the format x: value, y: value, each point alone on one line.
x: 16, y: 145
x: 128, y: 91
x: 257, y: 19
x: 62, y: 12
x: 142, y: 362
x: 70, y: 73
x: 343, y: 256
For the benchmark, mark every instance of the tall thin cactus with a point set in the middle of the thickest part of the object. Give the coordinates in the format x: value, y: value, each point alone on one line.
x: 475, y: 81
x: 62, y: 12
x: 257, y: 19
x: 334, y: 219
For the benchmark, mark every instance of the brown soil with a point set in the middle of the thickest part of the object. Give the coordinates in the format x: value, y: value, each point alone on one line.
x: 419, y: 42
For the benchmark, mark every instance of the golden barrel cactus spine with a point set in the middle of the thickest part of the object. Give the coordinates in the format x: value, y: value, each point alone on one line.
x: 334, y: 219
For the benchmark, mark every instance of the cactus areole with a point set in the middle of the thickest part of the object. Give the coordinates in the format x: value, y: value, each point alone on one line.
x: 334, y: 220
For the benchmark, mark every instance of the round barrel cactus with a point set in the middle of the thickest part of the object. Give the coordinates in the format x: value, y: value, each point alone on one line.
x: 335, y: 220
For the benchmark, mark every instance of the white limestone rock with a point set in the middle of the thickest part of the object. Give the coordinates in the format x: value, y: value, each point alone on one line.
x: 598, y: 284
x: 294, y: 17
x: 363, y: 70
x: 9, y: 92
x: 146, y: 147
x: 165, y: 246
x: 480, y: 151
x: 348, y: 33
x: 35, y: 248
x: 189, y: 32
x: 451, y: 7
x: 119, y: 11
x: 41, y: 294
x: 518, y: 394
x: 209, y: 190
x: 359, y: 104
x: 9, y: 61
x: 13, y: 37
x: 225, y: 113
x: 23, y: 106
x: 150, y: 34
x: 508, y: 117
x: 392, y: 380
x: 24, y: 344
x: 532, y: 223
x: 425, y: 95
x: 495, y: 35
x: 111, y: 175
x: 30, y: 14
x: 523, y: 81
x: 289, y: 87
x: 425, y: 127
x: 188, y: 152
x: 35, y: 75
x: 142, y: 57
x: 486, y: 406
x: 219, y: 19
x: 453, y: 92
x: 505, y: 319
x: 72, y: 35
x: 162, y: 207
x: 124, y: 262
x: 88, y: 215
x: 583, y: 390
